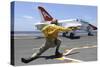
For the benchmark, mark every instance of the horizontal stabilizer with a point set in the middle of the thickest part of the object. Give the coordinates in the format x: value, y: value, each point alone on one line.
x: 94, y: 27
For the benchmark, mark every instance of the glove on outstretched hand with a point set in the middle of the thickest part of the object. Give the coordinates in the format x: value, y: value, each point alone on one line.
x: 74, y: 28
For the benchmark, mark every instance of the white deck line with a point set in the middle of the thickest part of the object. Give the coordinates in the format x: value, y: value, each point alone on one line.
x: 83, y: 47
x: 70, y: 50
x: 73, y: 60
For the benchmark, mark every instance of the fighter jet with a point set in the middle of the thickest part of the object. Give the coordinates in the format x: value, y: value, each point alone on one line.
x: 47, y: 18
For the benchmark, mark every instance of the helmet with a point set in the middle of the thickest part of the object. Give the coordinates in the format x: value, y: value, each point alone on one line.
x: 54, y: 21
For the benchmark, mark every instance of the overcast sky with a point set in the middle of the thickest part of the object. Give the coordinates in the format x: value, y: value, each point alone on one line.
x: 26, y: 13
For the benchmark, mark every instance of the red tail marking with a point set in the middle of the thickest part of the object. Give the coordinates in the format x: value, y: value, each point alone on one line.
x: 94, y: 28
x: 45, y: 14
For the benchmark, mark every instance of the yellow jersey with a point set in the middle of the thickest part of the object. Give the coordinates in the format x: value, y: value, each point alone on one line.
x: 51, y: 31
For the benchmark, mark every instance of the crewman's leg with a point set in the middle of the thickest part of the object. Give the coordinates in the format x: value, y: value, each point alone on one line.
x: 36, y: 55
x: 58, y: 42
x: 40, y: 51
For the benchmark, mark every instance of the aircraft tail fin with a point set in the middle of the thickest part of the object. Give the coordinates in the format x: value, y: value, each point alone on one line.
x: 46, y: 16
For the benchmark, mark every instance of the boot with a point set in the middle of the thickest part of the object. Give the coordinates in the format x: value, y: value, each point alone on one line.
x: 58, y: 54
x: 27, y: 60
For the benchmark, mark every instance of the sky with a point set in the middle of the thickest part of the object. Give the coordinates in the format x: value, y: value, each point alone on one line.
x: 26, y: 14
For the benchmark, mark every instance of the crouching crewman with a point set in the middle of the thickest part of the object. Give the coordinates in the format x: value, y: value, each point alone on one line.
x: 50, y: 32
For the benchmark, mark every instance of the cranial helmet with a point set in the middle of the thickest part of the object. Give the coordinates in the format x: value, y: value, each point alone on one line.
x: 54, y: 21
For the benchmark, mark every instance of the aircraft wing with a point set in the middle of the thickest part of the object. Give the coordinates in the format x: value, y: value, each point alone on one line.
x: 69, y: 23
x: 65, y: 24
x: 39, y: 26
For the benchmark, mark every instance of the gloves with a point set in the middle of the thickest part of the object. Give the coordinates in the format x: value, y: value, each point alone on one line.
x: 74, y: 28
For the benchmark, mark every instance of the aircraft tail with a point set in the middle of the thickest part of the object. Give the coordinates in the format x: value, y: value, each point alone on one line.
x: 46, y: 16
x: 94, y: 27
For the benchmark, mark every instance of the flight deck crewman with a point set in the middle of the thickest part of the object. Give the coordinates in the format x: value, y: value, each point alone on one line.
x: 50, y: 32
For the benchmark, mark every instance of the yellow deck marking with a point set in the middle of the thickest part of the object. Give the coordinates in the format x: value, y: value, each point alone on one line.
x: 69, y: 60
x: 60, y: 58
